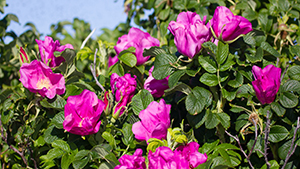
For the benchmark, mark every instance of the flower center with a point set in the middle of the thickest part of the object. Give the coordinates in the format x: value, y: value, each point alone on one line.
x: 80, y: 123
x: 43, y: 83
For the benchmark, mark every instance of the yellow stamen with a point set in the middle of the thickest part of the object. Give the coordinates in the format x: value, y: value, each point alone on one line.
x: 43, y: 83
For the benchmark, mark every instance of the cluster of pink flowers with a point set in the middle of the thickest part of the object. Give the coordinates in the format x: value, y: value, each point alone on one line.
x: 183, y: 157
x: 37, y: 76
x: 190, y: 32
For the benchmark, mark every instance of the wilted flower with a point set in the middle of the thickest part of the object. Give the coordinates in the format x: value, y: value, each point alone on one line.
x: 267, y: 83
x: 47, y: 49
x: 135, y: 161
x: 190, y: 152
x: 39, y: 78
x: 155, y: 121
x: 123, y: 88
x: 138, y: 39
x: 156, y: 87
x: 82, y: 113
x: 189, y: 33
x: 227, y: 26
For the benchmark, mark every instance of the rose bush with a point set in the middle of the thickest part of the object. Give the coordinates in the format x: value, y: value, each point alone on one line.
x: 220, y: 74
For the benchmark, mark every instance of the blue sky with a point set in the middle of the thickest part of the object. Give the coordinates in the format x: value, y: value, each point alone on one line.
x: 43, y: 13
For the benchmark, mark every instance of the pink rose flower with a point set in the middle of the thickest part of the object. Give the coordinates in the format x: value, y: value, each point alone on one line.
x: 82, y: 113
x: 138, y: 39
x: 123, y: 88
x: 47, y: 49
x: 112, y: 60
x: 156, y: 87
x: 135, y: 161
x: 190, y: 152
x: 189, y: 33
x: 39, y: 78
x: 155, y: 121
x: 230, y: 26
x: 165, y: 158
x: 267, y: 83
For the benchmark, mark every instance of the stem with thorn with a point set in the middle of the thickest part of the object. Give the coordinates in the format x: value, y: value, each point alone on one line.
x: 93, y: 70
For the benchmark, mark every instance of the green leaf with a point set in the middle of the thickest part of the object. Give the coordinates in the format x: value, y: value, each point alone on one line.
x: 109, y: 138
x: 163, y: 29
x: 274, y: 165
x: 181, y: 87
x: 249, y: 38
x: 278, y: 133
x: 69, y: 55
x: 267, y: 47
x: 153, y: 51
x: 288, y: 100
x: 212, y: 120
x: 257, y: 57
x: 211, y: 47
x: 294, y: 72
x: 58, y: 120
x: 81, y: 159
x: 223, y: 50
x: 237, y: 82
x: 163, y: 15
x: 209, y: 79
x: 7, y: 116
x: 224, y: 119
x: 100, y: 151
x: 106, y: 165
x: 52, y: 154
x: 141, y: 101
x: 179, y: 5
x: 52, y: 134
x: 129, y: 59
x: 112, y: 157
x: 154, y: 143
x: 66, y: 160
x: 4, y: 94
x: 291, y: 85
x: 118, y: 69
x: 162, y: 67
x: 197, y: 120
x: 82, y: 84
x: 72, y: 90
x: 57, y: 103
x: 197, y: 100
x: 228, y: 95
x: 284, y: 149
x: 209, y: 147
x: 208, y: 64
x: 228, y: 64
x: 280, y: 111
x: 175, y: 77
x: 127, y: 133
x: 62, y: 145
x: 295, y: 50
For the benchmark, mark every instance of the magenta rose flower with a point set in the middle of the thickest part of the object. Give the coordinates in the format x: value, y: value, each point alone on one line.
x: 138, y: 39
x: 165, y: 158
x: 39, y: 78
x: 135, y: 161
x: 47, y: 49
x: 123, y: 88
x: 156, y: 87
x: 155, y: 121
x: 189, y: 33
x: 112, y: 60
x: 267, y: 83
x: 190, y: 152
x: 230, y: 26
x: 82, y: 113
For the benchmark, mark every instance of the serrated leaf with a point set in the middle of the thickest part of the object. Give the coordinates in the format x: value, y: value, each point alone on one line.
x: 127, y: 134
x: 81, y: 159
x: 288, y: 100
x: 128, y: 58
x: 294, y: 72
x: 212, y: 120
x: 211, y: 47
x: 278, y: 133
x: 236, y: 82
x: 291, y: 85
x: 222, y: 53
x: 197, y: 100
x: 58, y: 120
x: 141, y: 101
x: 267, y: 47
x: 208, y: 64
x: 153, y: 51
x: 62, y: 145
x: 174, y: 77
x: 224, y: 119
x: 209, y: 79
x: 280, y: 111
x: 57, y: 103
x: 181, y: 87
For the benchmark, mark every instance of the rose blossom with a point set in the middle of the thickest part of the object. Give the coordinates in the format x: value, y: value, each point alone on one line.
x: 230, y: 26
x: 112, y: 60
x: 191, y: 153
x: 47, y: 49
x: 82, y: 113
x: 155, y: 121
x: 135, y: 161
x: 39, y: 78
x: 267, y: 83
x: 156, y: 87
x: 123, y: 88
x: 138, y: 39
x: 189, y: 33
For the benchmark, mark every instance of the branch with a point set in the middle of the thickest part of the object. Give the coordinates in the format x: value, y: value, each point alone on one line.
x: 255, y: 140
x: 93, y: 70
x: 87, y: 38
x: 239, y: 143
x: 293, y: 147
x: 4, y: 137
x: 267, y: 131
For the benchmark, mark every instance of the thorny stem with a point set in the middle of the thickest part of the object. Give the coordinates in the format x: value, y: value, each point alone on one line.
x: 255, y: 140
x: 239, y: 143
x: 93, y: 70
x: 267, y: 131
x: 4, y: 137
x: 293, y: 147
x: 87, y: 38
